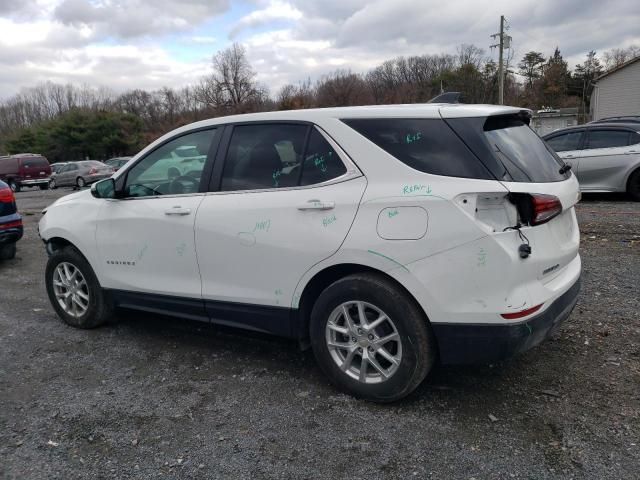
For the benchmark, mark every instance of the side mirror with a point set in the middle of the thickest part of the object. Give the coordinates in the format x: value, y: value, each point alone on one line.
x: 104, y: 188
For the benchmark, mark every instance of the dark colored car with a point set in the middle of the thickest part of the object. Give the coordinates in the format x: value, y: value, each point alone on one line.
x: 117, y: 162
x: 25, y: 170
x: 626, y: 119
x: 10, y: 223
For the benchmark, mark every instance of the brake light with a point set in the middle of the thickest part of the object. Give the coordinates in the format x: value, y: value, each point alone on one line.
x: 6, y: 195
x: 545, y: 207
x: 93, y: 171
x: 521, y: 313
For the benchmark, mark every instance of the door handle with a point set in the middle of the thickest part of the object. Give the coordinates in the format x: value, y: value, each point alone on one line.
x: 317, y: 205
x: 569, y: 156
x: 177, y: 210
x: 631, y: 152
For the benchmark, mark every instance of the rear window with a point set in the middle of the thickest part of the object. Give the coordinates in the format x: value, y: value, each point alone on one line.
x: 524, y: 155
x: 35, y: 162
x: 427, y: 145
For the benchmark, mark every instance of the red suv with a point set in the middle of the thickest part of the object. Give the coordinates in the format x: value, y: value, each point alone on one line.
x: 10, y: 223
x: 25, y: 170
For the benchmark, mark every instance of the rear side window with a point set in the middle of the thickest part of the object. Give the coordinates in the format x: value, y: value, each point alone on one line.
x: 524, y: 155
x: 321, y: 162
x: 607, y: 139
x: 427, y: 145
x: 566, y: 142
x: 35, y: 162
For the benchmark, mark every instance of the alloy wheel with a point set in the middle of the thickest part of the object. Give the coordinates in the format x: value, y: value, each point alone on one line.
x: 363, y: 342
x: 71, y: 289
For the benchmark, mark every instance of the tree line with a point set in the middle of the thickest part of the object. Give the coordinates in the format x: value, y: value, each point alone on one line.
x: 68, y: 122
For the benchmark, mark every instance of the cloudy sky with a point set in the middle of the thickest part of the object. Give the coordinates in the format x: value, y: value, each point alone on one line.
x: 125, y: 44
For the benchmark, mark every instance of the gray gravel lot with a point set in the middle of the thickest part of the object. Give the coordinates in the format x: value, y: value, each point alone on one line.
x: 152, y: 397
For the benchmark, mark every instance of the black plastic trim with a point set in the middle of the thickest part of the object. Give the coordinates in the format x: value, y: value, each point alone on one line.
x: 280, y: 321
x: 470, y: 343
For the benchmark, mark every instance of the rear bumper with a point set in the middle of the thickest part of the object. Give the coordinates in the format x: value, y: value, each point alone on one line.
x: 467, y: 343
x: 10, y: 235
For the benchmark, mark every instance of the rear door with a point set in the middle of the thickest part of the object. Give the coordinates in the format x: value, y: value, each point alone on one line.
x: 283, y: 198
x: 67, y: 175
x: 605, y: 159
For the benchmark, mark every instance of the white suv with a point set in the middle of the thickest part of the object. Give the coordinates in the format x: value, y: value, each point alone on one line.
x: 385, y: 237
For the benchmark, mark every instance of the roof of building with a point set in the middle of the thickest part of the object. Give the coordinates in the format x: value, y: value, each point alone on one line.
x: 619, y: 67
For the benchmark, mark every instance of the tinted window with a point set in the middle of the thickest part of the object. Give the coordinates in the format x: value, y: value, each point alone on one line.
x: 566, y: 141
x: 635, y: 138
x: 321, y: 162
x: 37, y: 162
x: 525, y: 156
x: 426, y: 145
x: 607, y: 139
x: 174, y: 168
x: 263, y: 156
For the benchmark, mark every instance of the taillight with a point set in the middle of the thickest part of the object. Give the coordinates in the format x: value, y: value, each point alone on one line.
x: 535, y: 208
x: 93, y: 171
x: 545, y: 207
x: 6, y: 195
x: 14, y: 224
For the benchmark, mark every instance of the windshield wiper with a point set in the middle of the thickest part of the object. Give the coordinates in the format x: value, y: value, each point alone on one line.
x: 564, y: 169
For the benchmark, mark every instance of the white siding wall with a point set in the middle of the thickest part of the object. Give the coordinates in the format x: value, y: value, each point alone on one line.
x: 618, y: 93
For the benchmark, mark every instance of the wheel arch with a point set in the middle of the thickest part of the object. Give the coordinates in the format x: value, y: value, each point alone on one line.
x: 55, y: 244
x: 328, y: 275
x: 632, y: 171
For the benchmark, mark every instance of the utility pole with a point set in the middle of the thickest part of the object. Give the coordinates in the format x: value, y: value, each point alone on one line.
x: 505, y: 42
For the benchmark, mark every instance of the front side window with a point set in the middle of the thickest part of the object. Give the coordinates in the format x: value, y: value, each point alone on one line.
x: 607, y: 139
x: 174, y: 168
x: 270, y: 156
x: 427, y: 145
x: 566, y: 142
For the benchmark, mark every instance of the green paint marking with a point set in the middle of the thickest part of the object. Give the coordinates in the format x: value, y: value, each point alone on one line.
x: 388, y: 258
x: 392, y: 213
x: 326, y: 221
x: 416, y: 188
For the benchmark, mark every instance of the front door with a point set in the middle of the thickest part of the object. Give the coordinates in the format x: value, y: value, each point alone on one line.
x: 286, y: 201
x: 146, y: 240
x: 567, y: 146
x: 67, y: 175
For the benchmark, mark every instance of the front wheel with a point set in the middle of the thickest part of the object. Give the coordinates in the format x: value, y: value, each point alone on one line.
x: 80, y: 182
x: 52, y: 184
x: 633, y: 185
x: 371, y: 339
x: 74, y: 290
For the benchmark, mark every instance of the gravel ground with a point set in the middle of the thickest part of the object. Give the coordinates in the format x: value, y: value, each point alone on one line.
x: 150, y: 397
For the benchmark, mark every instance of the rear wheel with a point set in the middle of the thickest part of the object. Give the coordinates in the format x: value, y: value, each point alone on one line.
x: 633, y: 185
x: 7, y: 252
x: 370, y: 338
x: 14, y: 186
x: 80, y: 182
x: 74, y: 290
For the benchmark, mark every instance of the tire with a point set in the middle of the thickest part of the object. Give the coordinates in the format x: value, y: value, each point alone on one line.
x: 52, y: 184
x: 44, y: 186
x: 633, y: 185
x: 14, y: 186
x: 80, y: 183
x: 98, y: 309
x: 7, y: 252
x: 414, y: 350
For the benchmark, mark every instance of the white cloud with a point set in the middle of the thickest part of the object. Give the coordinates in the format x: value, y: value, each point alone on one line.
x: 275, y: 10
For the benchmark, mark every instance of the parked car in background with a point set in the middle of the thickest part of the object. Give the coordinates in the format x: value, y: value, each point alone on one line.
x: 384, y: 237
x: 627, y: 119
x: 117, y: 162
x: 604, y: 157
x: 25, y: 170
x: 56, y: 167
x: 80, y: 174
x: 10, y: 223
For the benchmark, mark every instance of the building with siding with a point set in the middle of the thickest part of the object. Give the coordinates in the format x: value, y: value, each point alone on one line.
x: 549, y: 120
x: 617, y: 92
